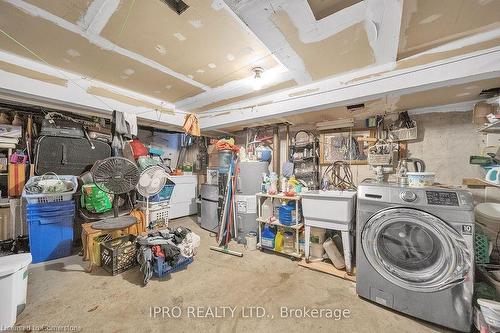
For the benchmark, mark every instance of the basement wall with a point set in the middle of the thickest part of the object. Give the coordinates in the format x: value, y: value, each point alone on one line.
x: 446, y: 142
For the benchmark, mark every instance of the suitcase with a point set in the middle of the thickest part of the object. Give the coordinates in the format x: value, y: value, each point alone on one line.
x: 64, y: 128
x: 68, y: 156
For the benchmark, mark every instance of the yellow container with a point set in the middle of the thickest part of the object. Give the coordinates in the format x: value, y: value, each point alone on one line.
x: 278, y: 241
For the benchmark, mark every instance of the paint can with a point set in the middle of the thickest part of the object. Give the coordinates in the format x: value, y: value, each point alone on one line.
x: 251, y: 239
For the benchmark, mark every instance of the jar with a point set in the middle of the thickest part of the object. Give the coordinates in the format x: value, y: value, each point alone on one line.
x: 288, y: 242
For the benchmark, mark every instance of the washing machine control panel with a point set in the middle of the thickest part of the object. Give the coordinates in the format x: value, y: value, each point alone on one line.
x: 442, y: 198
x: 408, y: 196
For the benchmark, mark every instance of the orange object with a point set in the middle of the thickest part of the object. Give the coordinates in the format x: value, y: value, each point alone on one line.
x: 224, y: 145
x: 17, y: 178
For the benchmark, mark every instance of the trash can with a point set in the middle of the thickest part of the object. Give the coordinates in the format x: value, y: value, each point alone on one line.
x: 13, y: 285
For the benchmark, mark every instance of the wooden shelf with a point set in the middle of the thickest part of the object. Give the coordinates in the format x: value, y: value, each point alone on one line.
x: 478, y: 183
x: 296, y: 226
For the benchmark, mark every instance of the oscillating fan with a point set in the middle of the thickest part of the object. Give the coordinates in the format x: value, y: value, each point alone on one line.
x: 151, y: 182
x: 115, y: 175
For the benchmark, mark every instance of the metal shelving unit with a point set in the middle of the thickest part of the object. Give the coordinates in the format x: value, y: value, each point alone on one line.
x: 310, y: 156
x: 295, y: 228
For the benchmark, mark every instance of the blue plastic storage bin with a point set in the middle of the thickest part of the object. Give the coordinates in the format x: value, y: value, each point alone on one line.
x: 161, y: 268
x: 50, y: 230
x: 35, y: 211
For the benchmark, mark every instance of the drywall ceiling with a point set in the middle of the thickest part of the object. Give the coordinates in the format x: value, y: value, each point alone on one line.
x: 427, y: 24
x: 202, y: 59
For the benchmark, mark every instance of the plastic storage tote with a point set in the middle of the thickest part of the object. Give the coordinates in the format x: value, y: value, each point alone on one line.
x: 13, y: 285
x: 50, y: 230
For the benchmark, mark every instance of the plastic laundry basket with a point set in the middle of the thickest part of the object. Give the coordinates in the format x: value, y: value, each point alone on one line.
x: 13, y: 285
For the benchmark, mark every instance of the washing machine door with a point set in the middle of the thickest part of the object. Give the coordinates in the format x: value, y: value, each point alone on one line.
x: 415, y: 250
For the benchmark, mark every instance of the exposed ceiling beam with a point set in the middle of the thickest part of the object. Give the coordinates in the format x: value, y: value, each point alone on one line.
x: 100, y: 41
x: 233, y: 89
x: 97, y: 16
x: 382, y: 24
x: 257, y: 15
x: 344, y: 90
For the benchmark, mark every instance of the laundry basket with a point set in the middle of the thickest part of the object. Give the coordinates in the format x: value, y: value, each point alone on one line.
x: 34, y: 198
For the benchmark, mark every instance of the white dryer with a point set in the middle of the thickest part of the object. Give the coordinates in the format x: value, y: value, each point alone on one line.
x: 414, y: 251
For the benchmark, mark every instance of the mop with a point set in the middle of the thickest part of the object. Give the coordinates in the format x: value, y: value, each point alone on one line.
x: 228, y: 218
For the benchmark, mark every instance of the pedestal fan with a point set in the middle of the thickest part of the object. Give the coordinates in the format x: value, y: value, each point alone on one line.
x: 115, y: 175
x: 151, y: 182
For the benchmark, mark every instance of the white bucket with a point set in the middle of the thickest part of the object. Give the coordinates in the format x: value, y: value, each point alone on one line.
x: 251, y: 239
x: 316, y: 251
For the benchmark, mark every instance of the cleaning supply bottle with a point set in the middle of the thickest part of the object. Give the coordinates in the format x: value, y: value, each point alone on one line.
x: 267, y: 238
x: 278, y: 241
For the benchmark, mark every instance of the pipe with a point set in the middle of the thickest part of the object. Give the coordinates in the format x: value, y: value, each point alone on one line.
x: 276, y: 151
x: 287, y: 141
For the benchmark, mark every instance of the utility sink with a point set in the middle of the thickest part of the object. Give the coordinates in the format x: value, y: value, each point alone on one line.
x: 329, y: 206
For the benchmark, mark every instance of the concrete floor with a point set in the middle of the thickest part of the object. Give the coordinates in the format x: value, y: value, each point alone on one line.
x: 61, y: 293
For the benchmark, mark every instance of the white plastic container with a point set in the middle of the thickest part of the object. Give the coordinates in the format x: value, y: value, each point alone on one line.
x: 13, y: 286
x: 329, y: 206
x: 421, y: 179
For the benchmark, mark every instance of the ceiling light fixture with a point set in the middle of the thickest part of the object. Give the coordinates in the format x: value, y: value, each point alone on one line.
x: 257, y: 79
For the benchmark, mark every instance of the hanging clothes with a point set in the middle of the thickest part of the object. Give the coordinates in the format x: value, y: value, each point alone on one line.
x: 191, y: 125
x: 131, y: 120
x: 120, y: 130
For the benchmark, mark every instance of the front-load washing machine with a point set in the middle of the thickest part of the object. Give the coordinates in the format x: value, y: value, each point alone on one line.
x: 414, y: 251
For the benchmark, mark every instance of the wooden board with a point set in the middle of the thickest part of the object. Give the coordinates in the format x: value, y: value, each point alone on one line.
x: 478, y: 183
x: 328, y: 268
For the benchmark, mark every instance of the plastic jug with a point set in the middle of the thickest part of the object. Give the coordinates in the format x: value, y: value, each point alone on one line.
x: 493, y: 175
x: 267, y: 238
x: 278, y: 241
x: 288, y: 242
x: 267, y: 209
